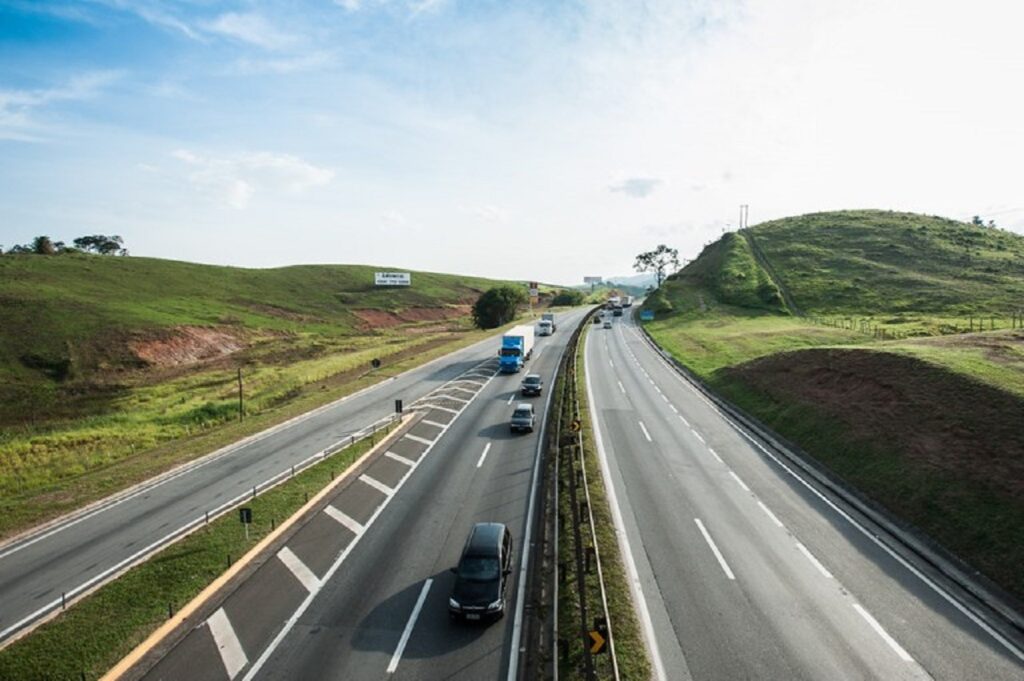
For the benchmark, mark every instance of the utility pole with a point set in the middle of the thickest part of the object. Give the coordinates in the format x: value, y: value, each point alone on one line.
x: 744, y: 215
x: 241, y: 406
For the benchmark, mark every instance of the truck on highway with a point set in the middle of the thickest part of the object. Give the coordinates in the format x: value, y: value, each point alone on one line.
x: 613, y: 302
x: 549, y: 317
x: 545, y: 328
x: 516, y: 348
x: 627, y: 301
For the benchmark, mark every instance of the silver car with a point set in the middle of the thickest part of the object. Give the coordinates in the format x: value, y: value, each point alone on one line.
x: 523, y: 418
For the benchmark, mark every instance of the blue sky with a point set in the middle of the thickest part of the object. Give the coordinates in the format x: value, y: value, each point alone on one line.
x: 532, y: 140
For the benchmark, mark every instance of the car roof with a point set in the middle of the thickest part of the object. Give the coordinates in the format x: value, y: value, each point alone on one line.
x: 484, y: 537
x: 531, y: 376
x: 524, y: 405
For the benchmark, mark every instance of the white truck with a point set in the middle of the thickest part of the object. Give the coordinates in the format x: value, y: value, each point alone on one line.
x: 544, y: 328
x: 516, y: 348
x: 549, y: 317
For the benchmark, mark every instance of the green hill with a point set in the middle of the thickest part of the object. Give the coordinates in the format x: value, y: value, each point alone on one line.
x: 858, y: 335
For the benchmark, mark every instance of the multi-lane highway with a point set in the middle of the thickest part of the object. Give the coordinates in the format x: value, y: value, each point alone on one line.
x: 76, y: 553
x: 745, y: 572
x: 361, y: 591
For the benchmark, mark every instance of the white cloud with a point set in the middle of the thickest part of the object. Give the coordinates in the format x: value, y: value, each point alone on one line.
x: 234, y: 180
x: 486, y: 212
x: 153, y: 13
x: 19, y: 109
x: 637, y: 187
x: 250, y: 28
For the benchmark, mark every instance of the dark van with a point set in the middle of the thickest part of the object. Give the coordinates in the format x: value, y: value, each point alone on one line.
x: 481, y: 577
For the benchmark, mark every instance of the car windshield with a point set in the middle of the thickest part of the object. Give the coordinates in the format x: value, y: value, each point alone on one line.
x: 521, y: 413
x: 532, y: 380
x: 478, y: 569
x: 509, y: 352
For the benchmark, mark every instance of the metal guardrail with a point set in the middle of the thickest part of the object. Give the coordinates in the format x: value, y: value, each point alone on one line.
x: 569, y: 451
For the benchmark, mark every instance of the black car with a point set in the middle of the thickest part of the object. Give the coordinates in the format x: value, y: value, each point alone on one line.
x: 532, y: 385
x: 481, y: 577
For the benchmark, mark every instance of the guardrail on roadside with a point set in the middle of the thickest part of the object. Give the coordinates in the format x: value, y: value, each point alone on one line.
x: 569, y: 451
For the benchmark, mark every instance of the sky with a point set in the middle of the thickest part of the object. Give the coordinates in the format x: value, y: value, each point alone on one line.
x: 524, y: 140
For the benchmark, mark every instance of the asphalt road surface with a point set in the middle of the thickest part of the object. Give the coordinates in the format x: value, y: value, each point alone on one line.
x: 745, y: 573
x: 73, y: 555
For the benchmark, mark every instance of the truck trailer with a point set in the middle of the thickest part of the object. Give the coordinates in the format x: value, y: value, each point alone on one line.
x: 516, y: 348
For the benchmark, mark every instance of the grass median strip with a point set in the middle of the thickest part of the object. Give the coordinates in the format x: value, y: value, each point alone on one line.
x: 629, y: 644
x: 91, y: 636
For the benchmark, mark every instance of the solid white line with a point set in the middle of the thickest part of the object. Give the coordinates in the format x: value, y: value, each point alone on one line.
x: 487, y: 448
x: 510, y: 398
x: 377, y: 485
x: 639, y: 600
x: 345, y: 519
x: 646, y: 434
x: 299, y: 569
x: 408, y: 627
x: 399, y: 458
x: 715, y: 454
x: 524, y: 558
x: 714, y: 549
x: 436, y: 424
x: 814, y: 561
x: 739, y: 482
x: 769, y: 513
x: 621, y: 387
x: 228, y: 645
x: 697, y: 435
x: 417, y: 438
x: 904, y: 655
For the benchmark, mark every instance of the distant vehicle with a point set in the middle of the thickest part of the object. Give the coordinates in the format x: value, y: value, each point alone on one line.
x: 544, y: 328
x: 617, y: 311
x: 523, y: 418
x: 549, y: 317
x: 597, y: 319
x: 613, y: 301
x: 481, y: 577
x: 516, y: 348
x: 532, y: 385
x: 627, y: 301
x: 607, y: 323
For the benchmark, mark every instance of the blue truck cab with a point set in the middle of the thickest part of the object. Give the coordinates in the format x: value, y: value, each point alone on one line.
x: 516, y: 348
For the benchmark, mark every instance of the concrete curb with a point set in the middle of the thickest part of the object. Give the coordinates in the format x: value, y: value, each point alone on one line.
x: 984, y: 599
x: 138, y: 662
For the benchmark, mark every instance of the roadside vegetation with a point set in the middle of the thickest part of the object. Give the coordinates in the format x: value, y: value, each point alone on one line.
x: 850, y: 334
x: 85, y: 641
x: 630, y: 648
x: 113, y: 369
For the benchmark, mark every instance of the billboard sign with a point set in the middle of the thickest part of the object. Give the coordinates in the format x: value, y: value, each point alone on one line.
x: 647, y: 315
x: 392, y: 279
x: 592, y: 280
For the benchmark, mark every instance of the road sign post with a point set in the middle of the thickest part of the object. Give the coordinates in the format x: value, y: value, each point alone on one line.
x: 599, y: 636
x: 398, y: 406
x: 245, y: 515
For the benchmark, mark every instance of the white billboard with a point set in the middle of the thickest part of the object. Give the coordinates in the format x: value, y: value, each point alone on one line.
x: 392, y: 279
x: 592, y: 280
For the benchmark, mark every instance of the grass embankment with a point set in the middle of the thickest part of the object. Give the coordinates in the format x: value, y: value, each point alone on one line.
x: 927, y: 426
x: 114, y: 369
x: 95, y: 633
x: 629, y: 644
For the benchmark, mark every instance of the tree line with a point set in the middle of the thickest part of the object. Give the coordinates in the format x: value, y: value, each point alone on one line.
x: 100, y: 244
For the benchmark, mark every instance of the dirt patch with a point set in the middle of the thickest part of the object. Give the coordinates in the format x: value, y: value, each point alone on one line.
x: 278, y: 312
x: 378, y: 319
x: 184, y: 345
x: 936, y: 418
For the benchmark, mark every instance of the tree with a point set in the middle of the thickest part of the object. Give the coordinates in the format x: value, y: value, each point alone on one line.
x: 42, y: 245
x: 102, y: 244
x: 568, y: 297
x: 657, y: 261
x: 977, y: 221
x: 497, y: 306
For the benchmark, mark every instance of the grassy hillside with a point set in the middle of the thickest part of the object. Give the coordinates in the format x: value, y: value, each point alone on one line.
x: 923, y: 418
x: 113, y: 368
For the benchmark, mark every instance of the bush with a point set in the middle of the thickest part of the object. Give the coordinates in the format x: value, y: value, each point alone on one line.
x: 568, y: 297
x: 497, y: 306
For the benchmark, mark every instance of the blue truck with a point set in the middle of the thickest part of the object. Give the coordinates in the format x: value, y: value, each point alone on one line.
x: 516, y: 348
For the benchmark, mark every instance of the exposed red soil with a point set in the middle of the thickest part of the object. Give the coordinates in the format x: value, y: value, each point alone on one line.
x: 378, y: 319
x: 936, y: 417
x: 182, y: 345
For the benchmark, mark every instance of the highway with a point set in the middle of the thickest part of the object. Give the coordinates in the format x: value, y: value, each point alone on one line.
x: 361, y: 592
x: 86, y: 548
x: 743, y: 571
